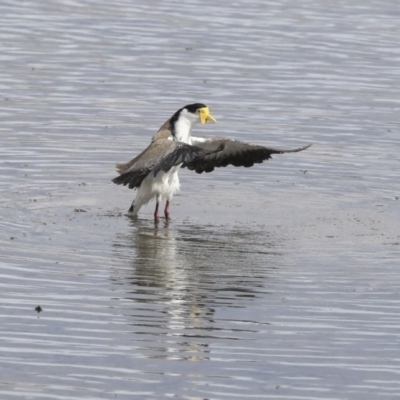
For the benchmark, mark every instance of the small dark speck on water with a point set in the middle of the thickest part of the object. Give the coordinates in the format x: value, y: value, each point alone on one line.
x: 38, y: 309
x: 79, y: 210
x: 12, y: 238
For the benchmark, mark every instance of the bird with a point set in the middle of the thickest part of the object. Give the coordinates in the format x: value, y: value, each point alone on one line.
x: 154, y: 172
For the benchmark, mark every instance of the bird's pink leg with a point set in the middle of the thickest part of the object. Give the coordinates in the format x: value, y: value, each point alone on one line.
x: 156, y: 212
x: 166, y: 210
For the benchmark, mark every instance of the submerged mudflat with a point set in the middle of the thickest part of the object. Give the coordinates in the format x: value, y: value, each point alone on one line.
x: 279, y: 281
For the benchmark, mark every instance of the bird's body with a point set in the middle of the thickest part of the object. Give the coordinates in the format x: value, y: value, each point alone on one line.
x: 173, y: 138
x: 154, y: 172
x: 163, y: 187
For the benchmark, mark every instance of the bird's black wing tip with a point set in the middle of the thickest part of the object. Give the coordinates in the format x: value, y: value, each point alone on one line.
x: 279, y: 151
x: 305, y: 147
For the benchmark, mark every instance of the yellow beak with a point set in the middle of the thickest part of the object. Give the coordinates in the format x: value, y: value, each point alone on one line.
x: 205, y: 115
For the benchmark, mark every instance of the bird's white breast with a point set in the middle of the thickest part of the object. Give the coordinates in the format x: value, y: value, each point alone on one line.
x: 166, y: 184
x: 182, y: 130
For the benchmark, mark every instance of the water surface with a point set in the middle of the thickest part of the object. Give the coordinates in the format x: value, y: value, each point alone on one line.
x: 279, y: 281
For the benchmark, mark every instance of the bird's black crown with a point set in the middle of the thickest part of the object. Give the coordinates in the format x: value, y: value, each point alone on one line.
x: 194, y: 107
x: 190, y: 107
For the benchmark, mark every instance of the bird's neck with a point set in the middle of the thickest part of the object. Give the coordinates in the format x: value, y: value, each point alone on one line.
x: 183, y: 128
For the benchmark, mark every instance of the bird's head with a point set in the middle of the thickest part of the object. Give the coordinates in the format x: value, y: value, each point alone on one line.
x: 194, y: 113
x: 185, y: 118
x: 199, y: 112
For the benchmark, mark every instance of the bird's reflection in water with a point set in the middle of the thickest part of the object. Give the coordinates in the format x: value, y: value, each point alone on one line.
x: 182, y: 274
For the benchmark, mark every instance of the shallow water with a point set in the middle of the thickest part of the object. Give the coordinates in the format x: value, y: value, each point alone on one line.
x: 279, y: 281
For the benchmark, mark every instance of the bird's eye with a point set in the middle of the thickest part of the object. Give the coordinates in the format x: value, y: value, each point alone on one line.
x: 198, y: 111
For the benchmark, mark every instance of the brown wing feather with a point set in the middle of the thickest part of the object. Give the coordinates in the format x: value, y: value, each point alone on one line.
x: 163, y: 133
x: 161, y: 155
x: 220, y: 152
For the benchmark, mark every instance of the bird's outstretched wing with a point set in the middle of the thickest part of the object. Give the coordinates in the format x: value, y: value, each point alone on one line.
x: 161, y: 155
x: 220, y: 152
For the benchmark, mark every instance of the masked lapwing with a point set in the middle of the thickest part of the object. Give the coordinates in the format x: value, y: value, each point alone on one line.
x: 154, y: 172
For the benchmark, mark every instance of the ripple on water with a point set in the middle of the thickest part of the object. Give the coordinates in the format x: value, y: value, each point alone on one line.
x: 274, y: 282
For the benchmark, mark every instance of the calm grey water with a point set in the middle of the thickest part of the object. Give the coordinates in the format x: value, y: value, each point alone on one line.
x: 275, y: 282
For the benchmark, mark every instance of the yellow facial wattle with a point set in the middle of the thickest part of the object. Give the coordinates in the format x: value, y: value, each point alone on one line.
x: 205, y: 115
